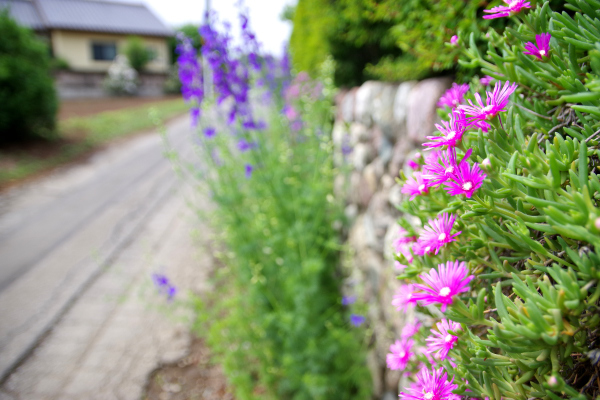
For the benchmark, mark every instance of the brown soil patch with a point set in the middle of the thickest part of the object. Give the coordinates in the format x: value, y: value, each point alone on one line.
x: 83, y: 107
x: 195, y: 377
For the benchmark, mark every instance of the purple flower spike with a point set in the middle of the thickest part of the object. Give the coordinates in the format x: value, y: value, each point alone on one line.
x: 465, y: 180
x: 357, y: 320
x: 164, y: 286
x: 430, y: 386
x: 347, y: 300
x: 453, y: 96
x: 248, y: 170
x: 210, y: 132
x: 452, y: 132
x: 495, y: 103
x: 514, y: 7
x: 543, y: 46
x: 400, y: 353
x: 440, y: 286
x: 437, y: 233
x: 415, y: 186
x: 441, y: 342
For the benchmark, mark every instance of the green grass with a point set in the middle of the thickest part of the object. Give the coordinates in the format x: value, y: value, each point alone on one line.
x: 80, y: 135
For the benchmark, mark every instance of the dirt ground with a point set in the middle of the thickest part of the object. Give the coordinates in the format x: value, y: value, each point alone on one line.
x: 194, y: 377
x: 83, y: 107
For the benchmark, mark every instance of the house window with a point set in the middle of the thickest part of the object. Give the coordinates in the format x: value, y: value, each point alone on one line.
x: 104, y: 51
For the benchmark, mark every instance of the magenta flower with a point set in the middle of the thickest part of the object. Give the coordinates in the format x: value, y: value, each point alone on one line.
x: 402, y: 238
x: 543, y: 46
x: 400, y: 353
x: 413, y: 164
x: 430, y: 386
x: 495, y: 102
x: 432, y: 157
x: 454, y: 40
x: 409, y: 330
x: 415, y: 186
x: 403, y: 297
x: 440, y: 286
x: 452, y: 132
x: 453, y: 96
x: 514, y: 7
x: 421, y: 248
x: 404, y: 249
x: 486, y: 80
x: 444, y: 169
x: 437, y: 232
x: 398, y: 266
x: 466, y: 180
x: 441, y: 342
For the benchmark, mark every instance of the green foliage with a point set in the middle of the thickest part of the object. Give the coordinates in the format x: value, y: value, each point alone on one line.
x: 530, y: 234
x: 27, y: 93
x: 137, y: 53
x: 278, y: 325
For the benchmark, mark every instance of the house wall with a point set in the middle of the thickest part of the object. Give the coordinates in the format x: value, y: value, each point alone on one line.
x: 76, y: 48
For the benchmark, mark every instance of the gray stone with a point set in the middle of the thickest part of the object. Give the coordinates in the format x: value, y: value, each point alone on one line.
x: 376, y: 373
x: 347, y: 106
x: 383, y: 109
x: 340, y: 188
x: 354, y: 190
x: 399, y: 153
x: 359, y: 133
x: 401, y: 101
x: 422, y: 105
x: 390, y: 395
x: 363, y: 103
x: 387, y: 182
x: 351, y: 211
x: 395, y: 195
x: 362, y: 155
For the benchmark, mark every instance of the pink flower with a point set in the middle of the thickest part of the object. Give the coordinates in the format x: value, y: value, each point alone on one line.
x: 398, y: 266
x: 486, y: 80
x: 403, y: 297
x: 404, y: 249
x: 421, y: 248
x: 400, y: 353
x: 543, y: 46
x: 410, y: 330
x: 514, y: 7
x: 430, y: 386
x: 440, y: 286
x: 453, y: 96
x: 465, y: 180
x: 454, y: 40
x: 441, y: 342
x: 413, y: 164
x: 402, y: 238
x: 436, y: 233
x: 440, y: 172
x: 432, y: 157
x: 495, y: 102
x: 415, y: 186
x: 452, y: 132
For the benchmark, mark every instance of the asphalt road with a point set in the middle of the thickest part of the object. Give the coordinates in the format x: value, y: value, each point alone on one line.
x: 56, y: 234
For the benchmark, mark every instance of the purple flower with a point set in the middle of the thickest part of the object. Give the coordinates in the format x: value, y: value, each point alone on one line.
x: 243, y: 145
x: 453, y: 96
x: 357, y: 320
x: 441, y: 342
x: 400, y: 353
x: 543, y: 46
x: 210, y: 132
x: 347, y: 300
x: 454, y: 40
x: 514, y: 7
x: 415, y: 186
x: 495, y: 102
x: 163, y: 285
x: 403, y: 297
x: 440, y: 286
x: 465, y: 180
x: 248, y: 170
x: 437, y: 233
x: 452, y: 132
x: 443, y: 169
x: 486, y: 80
x: 430, y: 386
x: 409, y: 330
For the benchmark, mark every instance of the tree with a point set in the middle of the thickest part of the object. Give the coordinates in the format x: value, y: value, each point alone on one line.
x: 137, y: 53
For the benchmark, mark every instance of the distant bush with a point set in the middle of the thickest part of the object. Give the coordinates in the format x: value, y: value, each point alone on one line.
x: 27, y: 94
x: 137, y: 53
x: 122, y: 79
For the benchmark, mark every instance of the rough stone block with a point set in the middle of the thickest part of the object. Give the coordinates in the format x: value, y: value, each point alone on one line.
x: 422, y: 105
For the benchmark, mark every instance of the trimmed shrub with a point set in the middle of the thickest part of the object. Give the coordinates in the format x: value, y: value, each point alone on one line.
x: 137, y: 53
x: 27, y: 94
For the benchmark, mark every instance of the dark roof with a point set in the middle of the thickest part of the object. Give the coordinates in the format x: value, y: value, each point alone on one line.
x: 95, y: 16
x: 24, y: 13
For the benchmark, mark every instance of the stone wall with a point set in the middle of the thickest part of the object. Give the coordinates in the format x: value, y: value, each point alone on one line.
x: 378, y: 127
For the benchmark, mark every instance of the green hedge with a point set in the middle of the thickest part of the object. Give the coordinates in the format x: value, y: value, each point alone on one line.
x: 27, y: 94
